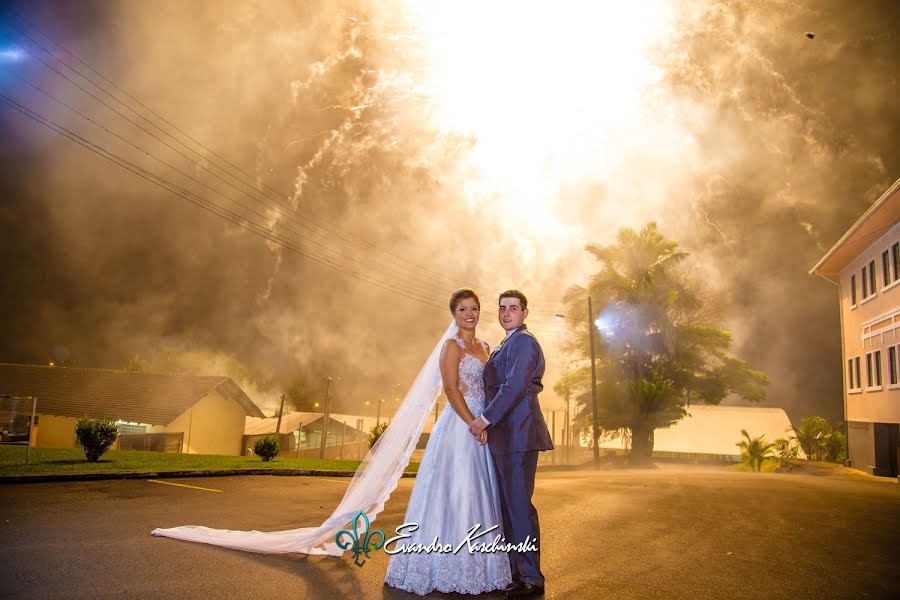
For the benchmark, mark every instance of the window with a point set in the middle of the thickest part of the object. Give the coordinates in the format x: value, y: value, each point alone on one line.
x: 885, y: 268
x: 873, y: 370
x: 865, y: 283
x: 850, y: 385
x: 878, y: 368
x: 853, y: 290
x: 872, y: 287
x: 853, y: 382
x: 892, y: 366
x: 895, y: 255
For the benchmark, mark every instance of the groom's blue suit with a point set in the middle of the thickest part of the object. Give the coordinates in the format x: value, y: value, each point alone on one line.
x: 512, y: 381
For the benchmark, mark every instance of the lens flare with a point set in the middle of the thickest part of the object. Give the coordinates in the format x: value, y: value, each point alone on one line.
x: 12, y: 55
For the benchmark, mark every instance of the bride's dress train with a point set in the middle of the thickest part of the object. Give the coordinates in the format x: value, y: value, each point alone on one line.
x: 455, y: 482
x: 455, y: 489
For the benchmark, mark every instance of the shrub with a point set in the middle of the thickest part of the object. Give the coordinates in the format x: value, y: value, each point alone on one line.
x: 376, y: 432
x: 754, y: 450
x: 95, y: 436
x: 267, y: 447
x: 786, y: 450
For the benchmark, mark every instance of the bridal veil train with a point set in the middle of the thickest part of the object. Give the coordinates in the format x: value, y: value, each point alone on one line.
x: 371, y: 486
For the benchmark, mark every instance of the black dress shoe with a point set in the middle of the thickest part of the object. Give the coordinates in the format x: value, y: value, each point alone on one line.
x: 527, y: 590
x: 515, y: 585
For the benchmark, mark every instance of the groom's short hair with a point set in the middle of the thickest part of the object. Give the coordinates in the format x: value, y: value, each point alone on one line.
x: 514, y: 294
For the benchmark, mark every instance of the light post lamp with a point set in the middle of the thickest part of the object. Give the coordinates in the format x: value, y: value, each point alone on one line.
x: 327, y: 414
x: 595, y: 406
x: 395, y: 390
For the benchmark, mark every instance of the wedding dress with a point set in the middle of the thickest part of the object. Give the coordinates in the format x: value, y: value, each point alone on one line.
x: 371, y: 486
x: 455, y: 490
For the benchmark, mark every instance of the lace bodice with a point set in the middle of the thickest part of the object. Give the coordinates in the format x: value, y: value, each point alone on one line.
x: 470, y: 383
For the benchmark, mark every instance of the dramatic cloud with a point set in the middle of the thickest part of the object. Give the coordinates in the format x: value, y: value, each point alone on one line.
x: 402, y: 150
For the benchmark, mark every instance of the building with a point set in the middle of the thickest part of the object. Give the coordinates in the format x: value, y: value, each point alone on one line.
x: 300, y: 435
x: 865, y: 266
x: 714, y: 432
x: 158, y: 411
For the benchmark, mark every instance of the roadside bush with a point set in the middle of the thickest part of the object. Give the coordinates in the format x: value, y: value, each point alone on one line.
x: 376, y: 432
x: 95, y: 436
x: 754, y: 450
x: 267, y: 448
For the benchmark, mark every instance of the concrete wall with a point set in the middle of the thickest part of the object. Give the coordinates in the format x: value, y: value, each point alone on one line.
x: 861, y: 446
x: 56, y: 432
x: 215, y: 425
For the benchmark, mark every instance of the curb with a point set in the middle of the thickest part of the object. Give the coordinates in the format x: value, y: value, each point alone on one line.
x: 62, y: 477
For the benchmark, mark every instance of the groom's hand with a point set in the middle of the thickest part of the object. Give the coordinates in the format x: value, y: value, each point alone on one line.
x: 477, y: 426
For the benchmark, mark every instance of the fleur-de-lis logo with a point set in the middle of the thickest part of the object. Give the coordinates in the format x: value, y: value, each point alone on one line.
x: 361, y: 539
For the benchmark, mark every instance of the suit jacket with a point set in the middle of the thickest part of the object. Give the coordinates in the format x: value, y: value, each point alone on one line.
x: 512, y: 381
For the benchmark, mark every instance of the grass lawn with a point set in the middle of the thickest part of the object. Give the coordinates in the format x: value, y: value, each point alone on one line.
x: 71, y: 460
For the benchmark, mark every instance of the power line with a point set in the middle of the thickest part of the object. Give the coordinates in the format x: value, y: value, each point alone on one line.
x: 399, y: 273
x: 104, y: 91
x: 181, y: 172
x: 291, y: 215
x: 205, y: 204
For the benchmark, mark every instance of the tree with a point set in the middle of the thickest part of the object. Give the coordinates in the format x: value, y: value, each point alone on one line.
x: 821, y: 439
x: 754, y: 451
x: 375, y: 432
x: 661, y: 347
x: 786, y: 450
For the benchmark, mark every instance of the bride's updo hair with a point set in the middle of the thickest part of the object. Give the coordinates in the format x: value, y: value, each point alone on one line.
x: 460, y: 295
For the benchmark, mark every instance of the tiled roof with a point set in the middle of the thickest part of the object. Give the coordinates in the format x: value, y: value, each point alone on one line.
x: 152, y: 398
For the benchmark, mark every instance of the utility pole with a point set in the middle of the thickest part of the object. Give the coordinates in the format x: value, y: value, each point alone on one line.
x: 378, y: 413
x: 553, y: 437
x: 280, y: 412
x: 594, y: 404
x: 327, y: 415
x: 568, y: 429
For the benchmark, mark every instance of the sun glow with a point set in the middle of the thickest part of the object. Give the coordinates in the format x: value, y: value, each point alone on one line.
x: 552, y: 94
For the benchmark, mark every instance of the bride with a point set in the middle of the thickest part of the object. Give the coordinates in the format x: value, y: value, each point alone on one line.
x: 455, y: 488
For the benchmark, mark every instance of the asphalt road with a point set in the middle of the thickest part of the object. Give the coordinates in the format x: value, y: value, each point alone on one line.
x: 676, y: 532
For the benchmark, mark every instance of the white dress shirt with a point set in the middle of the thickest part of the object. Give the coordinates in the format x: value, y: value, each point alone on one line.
x: 508, y: 333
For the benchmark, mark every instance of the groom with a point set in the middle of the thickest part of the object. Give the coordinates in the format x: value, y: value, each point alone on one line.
x: 512, y: 381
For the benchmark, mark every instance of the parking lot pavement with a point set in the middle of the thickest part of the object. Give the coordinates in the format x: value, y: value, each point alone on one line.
x: 669, y: 533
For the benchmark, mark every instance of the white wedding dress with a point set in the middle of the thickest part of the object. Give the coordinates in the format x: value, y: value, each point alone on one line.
x: 455, y: 489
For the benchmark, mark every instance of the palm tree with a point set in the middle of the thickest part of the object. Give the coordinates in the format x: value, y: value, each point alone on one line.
x: 786, y: 449
x: 812, y: 436
x: 661, y: 347
x: 754, y: 451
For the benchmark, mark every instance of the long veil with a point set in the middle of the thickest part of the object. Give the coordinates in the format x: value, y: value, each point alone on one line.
x: 371, y: 486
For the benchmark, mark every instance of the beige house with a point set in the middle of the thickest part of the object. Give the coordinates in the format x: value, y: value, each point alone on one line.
x: 180, y: 413
x: 865, y: 265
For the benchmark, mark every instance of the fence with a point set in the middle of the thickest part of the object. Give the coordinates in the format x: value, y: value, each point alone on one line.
x: 153, y: 442
x: 17, y: 421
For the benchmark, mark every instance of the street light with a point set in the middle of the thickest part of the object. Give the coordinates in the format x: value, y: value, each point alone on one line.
x: 595, y: 421
x: 327, y: 414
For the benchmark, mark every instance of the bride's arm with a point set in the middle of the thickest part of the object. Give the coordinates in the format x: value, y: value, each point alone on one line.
x: 450, y: 356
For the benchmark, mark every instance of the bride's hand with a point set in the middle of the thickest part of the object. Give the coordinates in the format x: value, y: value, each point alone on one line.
x: 482, y: 438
